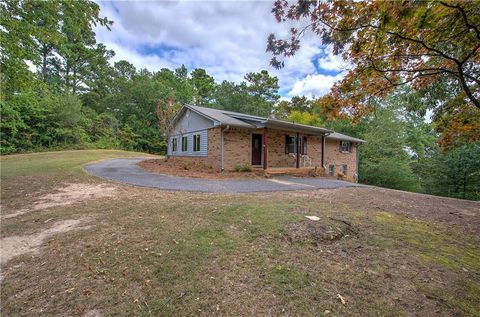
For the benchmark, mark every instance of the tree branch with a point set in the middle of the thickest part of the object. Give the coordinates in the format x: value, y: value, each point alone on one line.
x: 464, y: 16
x: 466, y: 89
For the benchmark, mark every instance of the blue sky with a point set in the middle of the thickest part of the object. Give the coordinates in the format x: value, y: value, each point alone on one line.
x: 227, y: 38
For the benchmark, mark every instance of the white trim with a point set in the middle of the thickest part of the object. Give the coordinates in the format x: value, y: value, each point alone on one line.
x: 222, y: 155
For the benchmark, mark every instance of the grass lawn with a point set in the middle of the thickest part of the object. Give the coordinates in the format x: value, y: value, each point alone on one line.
x: 105, y: 249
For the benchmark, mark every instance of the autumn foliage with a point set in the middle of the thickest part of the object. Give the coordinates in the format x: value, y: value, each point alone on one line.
x: 391, y: 44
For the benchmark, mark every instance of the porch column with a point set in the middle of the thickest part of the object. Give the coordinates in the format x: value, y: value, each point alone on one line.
x: 323, y: 150
x: 298, y: 150
x: 265, y: 149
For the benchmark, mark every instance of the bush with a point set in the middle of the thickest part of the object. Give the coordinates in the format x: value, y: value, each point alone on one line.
x: 242, y: 168
x: 390, y: 173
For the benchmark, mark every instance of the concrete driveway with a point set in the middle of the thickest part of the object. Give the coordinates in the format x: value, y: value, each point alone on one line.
x: 128, y: 172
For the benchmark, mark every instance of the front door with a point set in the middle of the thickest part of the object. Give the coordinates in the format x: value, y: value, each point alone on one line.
x: 256, y: 149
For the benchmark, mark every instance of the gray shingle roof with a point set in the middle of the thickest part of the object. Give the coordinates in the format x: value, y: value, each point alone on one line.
x: 221, y: 117
x: 242, y: 120
x: 343, y: 137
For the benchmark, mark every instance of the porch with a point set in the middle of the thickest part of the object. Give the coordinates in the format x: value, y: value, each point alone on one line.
x: 280, y: 148
x: 290, y: 150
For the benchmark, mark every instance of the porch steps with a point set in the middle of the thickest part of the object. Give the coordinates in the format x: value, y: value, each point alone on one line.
x: 302, y: 171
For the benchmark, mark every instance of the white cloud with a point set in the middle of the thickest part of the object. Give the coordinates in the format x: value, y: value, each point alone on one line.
x: 226, y: 38
x: 314, y: 85
x: 332, y: 62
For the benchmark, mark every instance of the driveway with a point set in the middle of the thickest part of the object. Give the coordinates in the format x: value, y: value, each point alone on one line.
x: 128, y: 172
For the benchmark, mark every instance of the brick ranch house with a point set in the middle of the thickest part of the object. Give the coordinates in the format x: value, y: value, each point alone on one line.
x: 225, y: 140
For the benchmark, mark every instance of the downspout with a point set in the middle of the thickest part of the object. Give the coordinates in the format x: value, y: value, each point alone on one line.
x: 324, y: 137
x: 357, y: 155
x: 323, y: 151
x: 221, y: 146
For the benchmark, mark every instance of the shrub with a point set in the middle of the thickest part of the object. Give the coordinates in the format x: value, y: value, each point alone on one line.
x: 242, y: 168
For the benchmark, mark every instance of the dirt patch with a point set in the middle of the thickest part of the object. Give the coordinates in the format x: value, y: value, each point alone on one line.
x: 319, y: 232
x: 93, y: 313
x: 68, y: 195
x: 16, y: 245
x: 191, y: 169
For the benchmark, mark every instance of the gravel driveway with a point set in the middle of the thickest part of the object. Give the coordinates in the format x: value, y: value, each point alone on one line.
x: 126, y: 171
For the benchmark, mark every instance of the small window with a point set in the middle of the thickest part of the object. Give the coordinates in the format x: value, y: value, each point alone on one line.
x: 184, y: 144
x: 345, y: 146
x: 196, y: 143
x: 331, y: 170
x: 289, y: 144
x: 344, y: 169
x: 174, y: 145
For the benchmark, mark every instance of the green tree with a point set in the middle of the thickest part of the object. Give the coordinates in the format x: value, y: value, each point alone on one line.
x: 232, y: 97
x: 304, y: 117
x: 256, y: 95
x: 297, y: 103
x: 203, y: 86
x: 55, y: 36
x: 263, y: 88
x: 384, y: 158
x: 455, y: 173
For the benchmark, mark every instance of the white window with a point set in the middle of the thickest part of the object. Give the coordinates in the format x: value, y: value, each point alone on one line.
x: 345, y: 146
x: 184, y: 144
x: 174, y: 145
x: 196, y: 143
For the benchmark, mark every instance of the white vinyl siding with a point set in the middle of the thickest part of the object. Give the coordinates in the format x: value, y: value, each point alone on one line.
x: 202, y: 137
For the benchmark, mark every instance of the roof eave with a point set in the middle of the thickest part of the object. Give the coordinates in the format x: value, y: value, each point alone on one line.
x: 347, y: 139
x: 278, y: 124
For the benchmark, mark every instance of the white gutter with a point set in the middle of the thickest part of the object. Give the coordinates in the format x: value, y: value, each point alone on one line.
x: 357, y: 156
x: 221, y: 145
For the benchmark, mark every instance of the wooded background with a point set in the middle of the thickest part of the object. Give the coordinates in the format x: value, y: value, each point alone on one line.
x: 59, y: 89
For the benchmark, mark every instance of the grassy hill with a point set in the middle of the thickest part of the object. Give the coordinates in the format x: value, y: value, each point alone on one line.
x: 74, y: 244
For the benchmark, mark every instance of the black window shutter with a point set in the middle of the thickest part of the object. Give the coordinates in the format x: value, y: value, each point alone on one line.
x: 340, y: 146
x: 287, y: 140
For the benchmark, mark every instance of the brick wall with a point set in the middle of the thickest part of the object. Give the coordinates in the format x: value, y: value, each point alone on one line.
x: 238, y: 151
x: 276, y: 149
x: 238, y: 148
x: 333, y: 156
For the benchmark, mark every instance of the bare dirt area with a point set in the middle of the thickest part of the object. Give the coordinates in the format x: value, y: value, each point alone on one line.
x: 69, y: 194
x: 13, y: 246
x: 462, y: 213
x: 195, y: 170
